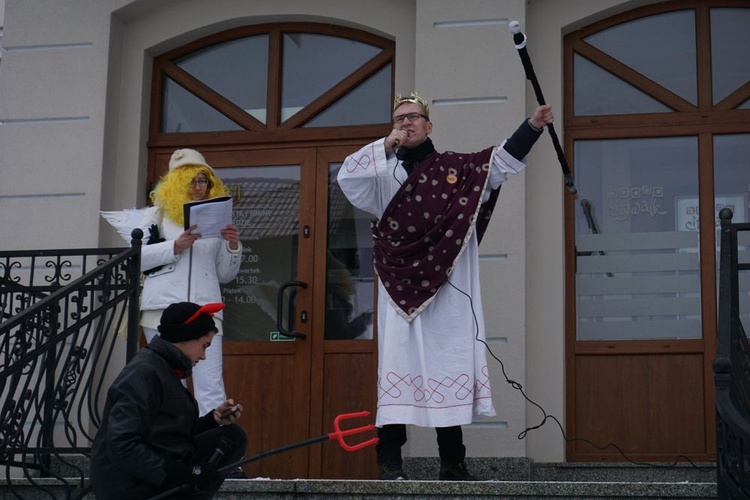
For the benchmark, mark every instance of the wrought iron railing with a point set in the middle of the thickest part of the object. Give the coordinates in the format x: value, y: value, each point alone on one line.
x: 64, y: 316
x: 732, y: 370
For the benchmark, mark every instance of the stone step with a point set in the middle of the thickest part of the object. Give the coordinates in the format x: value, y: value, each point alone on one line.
x: 625, y: 472
x: 325, y: 489
x: 481, y: 490
x: 524, y: 469
x: 499, y: 478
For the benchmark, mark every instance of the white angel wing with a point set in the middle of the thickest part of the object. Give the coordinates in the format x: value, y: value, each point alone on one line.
x: 124, y: 221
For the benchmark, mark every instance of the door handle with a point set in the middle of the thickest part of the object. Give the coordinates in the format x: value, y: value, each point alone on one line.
x: 280, y: 308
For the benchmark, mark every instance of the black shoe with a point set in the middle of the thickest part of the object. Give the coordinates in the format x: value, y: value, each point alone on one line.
x: 392, y: 470
x: 237, y: 473
x: 455, y: 471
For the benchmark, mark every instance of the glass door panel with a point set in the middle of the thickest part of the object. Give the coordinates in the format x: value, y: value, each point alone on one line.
x: 266, y: 210
x: 637, y: 240
x: 350, y: 277
x: 732, y: 190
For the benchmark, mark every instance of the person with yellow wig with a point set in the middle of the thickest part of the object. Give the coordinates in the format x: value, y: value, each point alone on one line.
x: 180, y: 266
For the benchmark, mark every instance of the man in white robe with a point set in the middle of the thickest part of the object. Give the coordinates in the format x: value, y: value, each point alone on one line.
x: 431, y: 211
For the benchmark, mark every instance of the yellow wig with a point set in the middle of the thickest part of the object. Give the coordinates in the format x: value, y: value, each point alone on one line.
x: 173, y: 190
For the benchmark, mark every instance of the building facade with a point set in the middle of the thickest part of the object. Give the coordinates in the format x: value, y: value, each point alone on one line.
x: 95, y: 95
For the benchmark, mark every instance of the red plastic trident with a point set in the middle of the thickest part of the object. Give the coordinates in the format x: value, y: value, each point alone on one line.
x: 339, y: 434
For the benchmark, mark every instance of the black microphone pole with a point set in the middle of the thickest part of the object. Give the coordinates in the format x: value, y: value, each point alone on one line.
x: 520, y: 40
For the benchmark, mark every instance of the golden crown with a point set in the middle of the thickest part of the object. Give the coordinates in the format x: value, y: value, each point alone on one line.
x: 413, y: 98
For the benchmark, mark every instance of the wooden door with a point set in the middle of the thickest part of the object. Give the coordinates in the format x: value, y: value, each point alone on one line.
x: 290, y: 379
x: 639, y: 338
x: 344, y: 374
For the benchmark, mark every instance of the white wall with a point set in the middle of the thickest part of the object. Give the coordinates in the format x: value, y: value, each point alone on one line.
x: 548, y: 22
x: 52, y: 79
x: 74, y: 104
x: 462, y: 54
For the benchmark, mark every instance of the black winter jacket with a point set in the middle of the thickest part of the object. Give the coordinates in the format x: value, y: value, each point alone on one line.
x: 150, y: 420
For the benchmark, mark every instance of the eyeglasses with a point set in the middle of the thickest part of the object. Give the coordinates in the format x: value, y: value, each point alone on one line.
x: 411, y: 116
x: 200, y: 182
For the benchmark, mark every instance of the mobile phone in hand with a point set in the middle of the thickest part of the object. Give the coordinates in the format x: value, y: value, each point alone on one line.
x: 231, y: 411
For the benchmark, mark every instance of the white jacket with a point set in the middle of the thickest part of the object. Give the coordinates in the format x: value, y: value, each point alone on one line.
x: 194, y: 275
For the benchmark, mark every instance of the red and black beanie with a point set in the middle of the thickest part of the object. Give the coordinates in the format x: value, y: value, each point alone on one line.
x: 185, y: 321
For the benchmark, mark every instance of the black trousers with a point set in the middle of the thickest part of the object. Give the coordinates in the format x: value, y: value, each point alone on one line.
x: 206, y: 443
x: 392, y: 437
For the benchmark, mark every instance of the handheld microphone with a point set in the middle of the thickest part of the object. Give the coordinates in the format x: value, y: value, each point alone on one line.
x: 397, y: 143
x: 222, y: 447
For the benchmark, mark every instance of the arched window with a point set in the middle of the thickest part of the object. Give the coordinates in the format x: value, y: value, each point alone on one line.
x: 653, y: 100
x: 275, y: 78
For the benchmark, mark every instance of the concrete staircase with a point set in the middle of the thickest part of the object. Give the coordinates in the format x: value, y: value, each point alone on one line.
x: 506, y: 478
x: 499, y: 478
